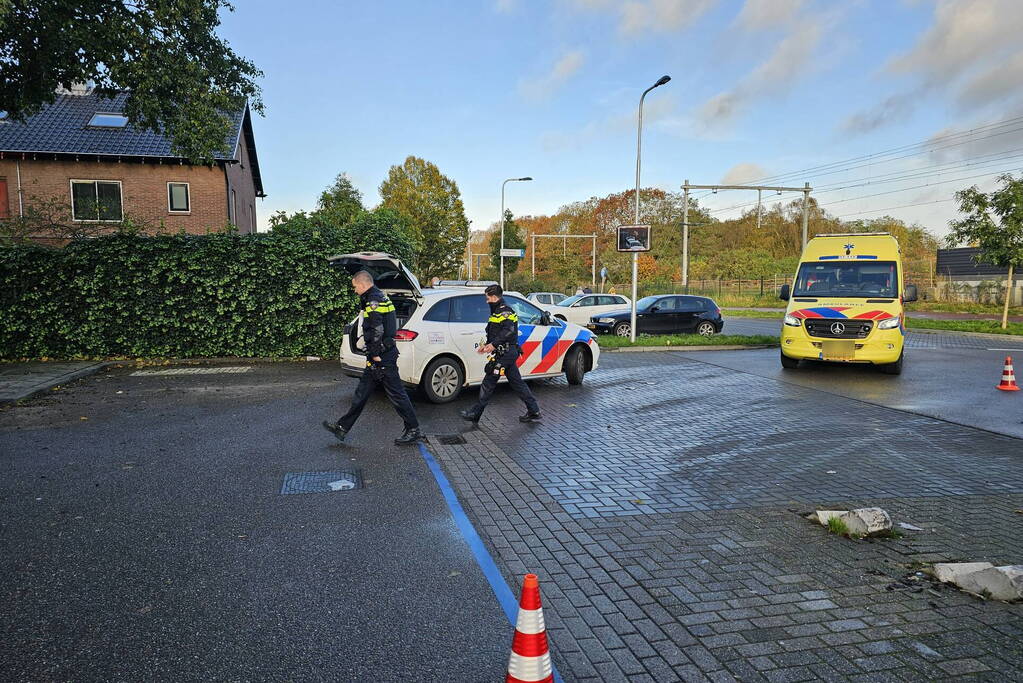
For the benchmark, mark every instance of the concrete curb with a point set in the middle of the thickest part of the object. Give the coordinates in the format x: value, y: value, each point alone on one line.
x: 1015, y: 338
x: 719, y: 347
x: 48, y: 384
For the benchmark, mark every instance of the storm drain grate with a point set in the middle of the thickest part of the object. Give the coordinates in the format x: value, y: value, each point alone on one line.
x: 193, y: 371
x: 450, y: 439
x: 321, y: 482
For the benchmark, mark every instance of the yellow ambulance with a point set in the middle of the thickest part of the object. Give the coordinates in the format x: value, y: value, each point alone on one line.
x: 846, y: 302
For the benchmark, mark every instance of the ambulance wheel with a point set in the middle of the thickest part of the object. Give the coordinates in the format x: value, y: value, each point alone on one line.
x: 442, y: 380
x: 575, y: 365
x: 894, y: 368
x: 789, y: 363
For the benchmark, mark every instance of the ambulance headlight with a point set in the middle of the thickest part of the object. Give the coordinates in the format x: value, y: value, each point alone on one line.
x: 792, y: 321
x: 605, y: 320
x: 888, y: 323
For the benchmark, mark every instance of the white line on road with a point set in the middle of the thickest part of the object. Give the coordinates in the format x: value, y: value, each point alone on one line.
x: 193, y: 371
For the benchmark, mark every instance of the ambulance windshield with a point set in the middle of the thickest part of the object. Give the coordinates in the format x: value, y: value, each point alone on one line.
x: 847, y: 278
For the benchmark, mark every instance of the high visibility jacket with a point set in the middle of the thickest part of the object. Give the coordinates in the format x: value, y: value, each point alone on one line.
x: 503, y: 326
x: 379, y: 323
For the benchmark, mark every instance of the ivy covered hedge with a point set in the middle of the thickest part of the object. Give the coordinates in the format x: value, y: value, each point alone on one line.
x: 184, y: 295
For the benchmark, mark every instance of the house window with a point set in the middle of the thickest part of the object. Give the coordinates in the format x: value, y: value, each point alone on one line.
x: 177, y: 198
x: 96, y: 200
x: 108, y: 120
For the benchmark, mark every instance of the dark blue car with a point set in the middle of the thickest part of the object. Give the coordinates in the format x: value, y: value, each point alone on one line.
x: 663, y: 314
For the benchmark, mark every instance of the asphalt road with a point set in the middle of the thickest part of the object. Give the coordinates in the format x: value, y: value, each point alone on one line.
x: 951, y: 377
x: 144, y: 538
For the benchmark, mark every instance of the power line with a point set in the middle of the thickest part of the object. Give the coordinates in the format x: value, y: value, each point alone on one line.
x: 889, y: 208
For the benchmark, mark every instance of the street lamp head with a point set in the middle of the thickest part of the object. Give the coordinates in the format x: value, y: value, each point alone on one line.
x: 662, y: 80
x: 526, y: 178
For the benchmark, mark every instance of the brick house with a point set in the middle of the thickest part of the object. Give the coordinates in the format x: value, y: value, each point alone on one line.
x: 80, y: 152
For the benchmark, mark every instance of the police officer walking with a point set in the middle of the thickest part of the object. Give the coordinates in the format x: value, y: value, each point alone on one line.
x: 379, y: 324
x: 503, y: 347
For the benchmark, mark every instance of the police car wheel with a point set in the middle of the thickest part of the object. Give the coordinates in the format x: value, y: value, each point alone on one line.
x: 705, y: 329
x: 623, y: 330
x: 442, y: 380
x: 575, y: 365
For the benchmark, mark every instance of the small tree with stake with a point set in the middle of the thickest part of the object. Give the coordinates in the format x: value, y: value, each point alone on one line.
x: 994, y: 222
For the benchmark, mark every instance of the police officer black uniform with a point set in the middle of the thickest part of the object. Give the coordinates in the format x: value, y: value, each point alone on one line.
x: 379, y: 324
x: 503, y: 347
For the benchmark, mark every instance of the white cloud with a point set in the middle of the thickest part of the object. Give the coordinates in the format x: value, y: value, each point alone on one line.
x: 790, y: 59
x: 640, y: 17
x: 744, y: 173
x: 971, y: 49
x: 759, y: 15
x: 566, y: 67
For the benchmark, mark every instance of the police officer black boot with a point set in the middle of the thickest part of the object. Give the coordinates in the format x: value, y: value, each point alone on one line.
x: 470, y: 415
x: 336, y: 429
x: 409, y: 436
x: 530, y: 416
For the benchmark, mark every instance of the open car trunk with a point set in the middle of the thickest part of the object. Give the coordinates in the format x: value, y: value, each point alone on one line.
x: 391, y: 276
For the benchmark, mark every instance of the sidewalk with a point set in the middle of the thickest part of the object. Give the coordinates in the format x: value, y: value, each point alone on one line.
x: 21, y: 380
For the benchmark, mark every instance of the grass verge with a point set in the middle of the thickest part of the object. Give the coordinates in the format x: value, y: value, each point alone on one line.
x: 613, y: 342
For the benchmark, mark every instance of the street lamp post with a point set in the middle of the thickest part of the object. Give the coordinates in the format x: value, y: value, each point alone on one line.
x: 510, y: 180
x: 639, y: 146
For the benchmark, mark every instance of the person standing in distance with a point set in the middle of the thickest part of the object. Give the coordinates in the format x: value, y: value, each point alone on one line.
x: 503, y: 347
x: 379, y: 324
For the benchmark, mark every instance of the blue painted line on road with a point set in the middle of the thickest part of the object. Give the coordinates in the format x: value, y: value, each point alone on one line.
x: 483, y: 558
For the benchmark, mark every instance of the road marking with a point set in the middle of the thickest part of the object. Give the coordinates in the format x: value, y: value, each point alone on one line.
x: 486, y: 563
x: 193, y: 371
x: 1018, y: 348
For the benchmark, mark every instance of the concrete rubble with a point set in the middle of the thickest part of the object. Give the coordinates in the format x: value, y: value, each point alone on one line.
x: 983, y: 578
x: 860, y: 522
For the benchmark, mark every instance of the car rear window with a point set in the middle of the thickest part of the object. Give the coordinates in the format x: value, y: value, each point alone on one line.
x: 439, y: 312
x: 470, y: 309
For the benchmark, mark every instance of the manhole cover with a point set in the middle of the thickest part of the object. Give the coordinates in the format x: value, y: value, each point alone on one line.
x: 321, y: 482
x: 450, y: 439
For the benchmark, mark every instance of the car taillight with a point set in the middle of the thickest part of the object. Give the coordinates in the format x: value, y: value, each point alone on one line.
x: 405, y: 335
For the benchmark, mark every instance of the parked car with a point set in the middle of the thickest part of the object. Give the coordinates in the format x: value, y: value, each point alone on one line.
x: 441, y: 328
x: 663, y: 314
x: 580, y: 308
x: 546, y: 298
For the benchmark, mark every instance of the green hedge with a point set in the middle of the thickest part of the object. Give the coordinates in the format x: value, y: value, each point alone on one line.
x: 184, y: 295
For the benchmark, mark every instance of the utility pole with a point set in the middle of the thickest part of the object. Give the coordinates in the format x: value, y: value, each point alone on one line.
x: 806, y: 210
x: 759, y: 209
x: 685, y: 237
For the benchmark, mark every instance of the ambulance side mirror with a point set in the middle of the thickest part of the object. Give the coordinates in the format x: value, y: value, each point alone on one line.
x: 783, y: 293
x: 909, y: 293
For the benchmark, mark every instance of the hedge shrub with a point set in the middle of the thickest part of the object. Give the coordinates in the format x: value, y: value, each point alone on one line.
x: 184, y: 295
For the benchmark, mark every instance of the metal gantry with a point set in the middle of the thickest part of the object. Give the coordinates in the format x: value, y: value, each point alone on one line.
x: 686, y: 186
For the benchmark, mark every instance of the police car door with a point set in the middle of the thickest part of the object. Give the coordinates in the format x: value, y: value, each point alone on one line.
x: 468, y: 327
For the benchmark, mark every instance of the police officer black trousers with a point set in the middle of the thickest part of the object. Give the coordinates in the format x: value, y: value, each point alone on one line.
x: 507, y: 361
x: 386, y: 374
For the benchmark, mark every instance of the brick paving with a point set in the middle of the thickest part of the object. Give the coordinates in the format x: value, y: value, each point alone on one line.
x: 664, y: 519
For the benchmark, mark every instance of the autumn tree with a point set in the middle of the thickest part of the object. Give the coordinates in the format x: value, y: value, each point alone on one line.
x: 994, y: 222
x: 433, y: 206
x: 181, y: 77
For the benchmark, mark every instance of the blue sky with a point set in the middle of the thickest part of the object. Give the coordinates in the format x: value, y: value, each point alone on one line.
x: 504, y: 88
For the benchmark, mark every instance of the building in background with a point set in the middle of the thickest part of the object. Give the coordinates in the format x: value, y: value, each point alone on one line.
x: 963, y: 274
x: 79, y: 154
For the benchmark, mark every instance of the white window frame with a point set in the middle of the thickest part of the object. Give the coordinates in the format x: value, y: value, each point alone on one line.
x: 188, y: 197
x: 71, y: 189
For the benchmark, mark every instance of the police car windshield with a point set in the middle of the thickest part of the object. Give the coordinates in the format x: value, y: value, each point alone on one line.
x: 867, y: 279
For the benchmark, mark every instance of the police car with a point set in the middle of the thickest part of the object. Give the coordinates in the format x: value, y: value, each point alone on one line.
x: 441, y: 327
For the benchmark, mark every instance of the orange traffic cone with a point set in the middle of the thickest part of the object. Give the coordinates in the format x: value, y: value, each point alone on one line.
x: 1008, y: 382
x: 530, y: 660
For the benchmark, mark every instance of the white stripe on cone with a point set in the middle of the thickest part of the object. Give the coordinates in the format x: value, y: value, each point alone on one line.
x: 529, y: 621
x: 529, y: 668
